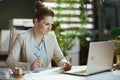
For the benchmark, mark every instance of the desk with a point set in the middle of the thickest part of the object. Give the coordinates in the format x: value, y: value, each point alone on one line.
x: 54, y: 74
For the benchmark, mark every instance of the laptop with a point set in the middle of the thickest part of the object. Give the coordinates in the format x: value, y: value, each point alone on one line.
x: 100, y: 58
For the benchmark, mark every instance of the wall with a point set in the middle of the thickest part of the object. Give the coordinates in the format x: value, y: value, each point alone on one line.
x: 14, y: 9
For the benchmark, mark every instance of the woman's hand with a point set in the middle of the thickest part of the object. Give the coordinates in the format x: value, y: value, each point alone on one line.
x: 67, y: 66
x: 37, y: 63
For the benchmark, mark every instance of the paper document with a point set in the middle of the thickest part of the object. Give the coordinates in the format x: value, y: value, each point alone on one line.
x: 5, y: 73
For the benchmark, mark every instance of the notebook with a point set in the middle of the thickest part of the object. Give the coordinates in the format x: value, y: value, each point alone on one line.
x: 100, y: 58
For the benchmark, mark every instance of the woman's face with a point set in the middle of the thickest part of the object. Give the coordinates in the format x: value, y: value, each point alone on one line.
x: 44, y: 26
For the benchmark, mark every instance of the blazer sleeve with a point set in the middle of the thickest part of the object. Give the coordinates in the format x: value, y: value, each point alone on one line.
x: 58, y: 55
x: 13, y: 59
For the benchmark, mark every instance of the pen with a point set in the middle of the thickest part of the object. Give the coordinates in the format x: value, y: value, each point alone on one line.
x: 39, y: 59
x: 36, y: 56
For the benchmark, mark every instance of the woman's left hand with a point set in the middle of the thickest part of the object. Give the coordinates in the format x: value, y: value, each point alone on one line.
x: 67, y: 66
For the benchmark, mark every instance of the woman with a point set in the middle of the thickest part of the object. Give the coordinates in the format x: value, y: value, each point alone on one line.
x: 36, y: 47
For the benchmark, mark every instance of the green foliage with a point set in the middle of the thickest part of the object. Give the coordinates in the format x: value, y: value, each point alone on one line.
x: 117, y: 46
x: 65, y: 41
x: 116, y: 32
x: 83, y: 16
x: 64, y: 38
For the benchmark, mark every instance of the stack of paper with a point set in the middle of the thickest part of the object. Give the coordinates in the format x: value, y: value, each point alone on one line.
x: 5, y: 73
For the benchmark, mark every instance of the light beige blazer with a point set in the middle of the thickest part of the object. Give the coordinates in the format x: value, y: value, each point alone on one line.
x: 22, y: 53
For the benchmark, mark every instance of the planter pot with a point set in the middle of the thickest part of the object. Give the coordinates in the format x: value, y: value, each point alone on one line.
x: 118, y: 59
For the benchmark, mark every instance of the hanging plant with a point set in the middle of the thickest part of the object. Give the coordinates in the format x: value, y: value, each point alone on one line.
x: 83, y: 16
x: 65, y: 40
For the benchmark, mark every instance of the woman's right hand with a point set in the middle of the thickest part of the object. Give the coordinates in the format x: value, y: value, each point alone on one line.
x: 37, y: 63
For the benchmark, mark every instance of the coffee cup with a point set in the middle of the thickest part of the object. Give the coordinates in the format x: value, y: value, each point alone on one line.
x: 18, y: 71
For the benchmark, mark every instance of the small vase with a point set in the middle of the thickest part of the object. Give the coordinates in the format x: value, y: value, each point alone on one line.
x: 118, y: 59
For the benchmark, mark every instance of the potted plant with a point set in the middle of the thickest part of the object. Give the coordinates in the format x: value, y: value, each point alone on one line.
x: 117, y: 50
x: 116, y: 33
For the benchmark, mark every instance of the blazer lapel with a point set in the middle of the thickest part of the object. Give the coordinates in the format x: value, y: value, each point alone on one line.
x: 29, y: 49
x: 49, y: 49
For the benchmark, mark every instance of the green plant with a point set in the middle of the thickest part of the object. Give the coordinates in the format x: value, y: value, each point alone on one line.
x: 116, y: 33
x: 64, y: 38
x: 65, y: 41
x: 117, y: 46
x: 83, y: 15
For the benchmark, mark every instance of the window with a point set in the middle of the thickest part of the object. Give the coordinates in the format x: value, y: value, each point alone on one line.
x: 68, y: 13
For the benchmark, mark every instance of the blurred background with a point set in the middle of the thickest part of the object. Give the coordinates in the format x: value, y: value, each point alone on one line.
x: 77, y: 23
